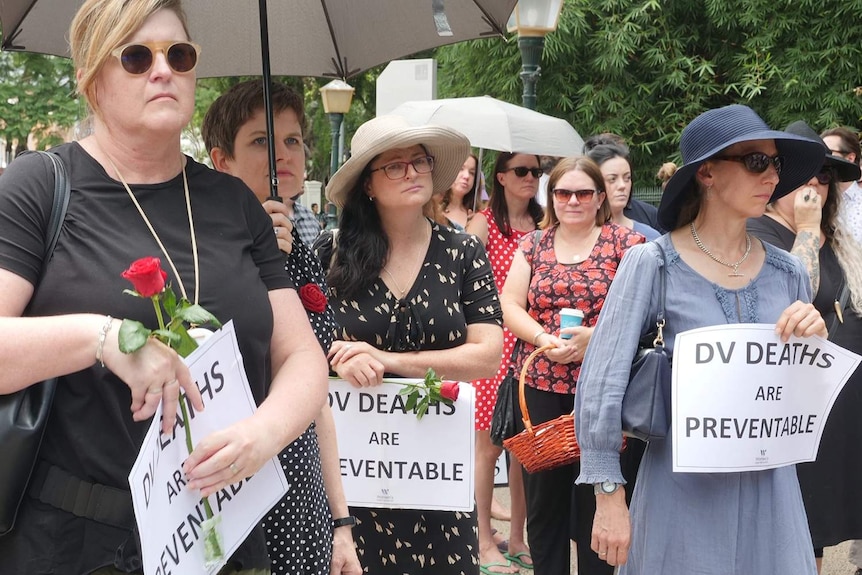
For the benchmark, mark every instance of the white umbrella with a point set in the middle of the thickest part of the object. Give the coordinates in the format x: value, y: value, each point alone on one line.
x: 496, y: 125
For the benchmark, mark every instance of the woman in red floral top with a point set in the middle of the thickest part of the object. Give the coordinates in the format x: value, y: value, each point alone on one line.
x: 572, y: 266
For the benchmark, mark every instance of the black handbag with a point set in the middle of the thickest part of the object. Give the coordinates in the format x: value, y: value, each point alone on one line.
x: 23, y: 414
x: 646, y: 405
x: 503, y: 418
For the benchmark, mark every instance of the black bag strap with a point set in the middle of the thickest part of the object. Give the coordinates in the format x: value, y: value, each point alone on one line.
x: 62, y: 192
x: 662, y: 287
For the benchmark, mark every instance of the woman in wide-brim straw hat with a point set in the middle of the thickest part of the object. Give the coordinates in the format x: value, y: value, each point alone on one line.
x: 408, y: 294
x: 711, y: 523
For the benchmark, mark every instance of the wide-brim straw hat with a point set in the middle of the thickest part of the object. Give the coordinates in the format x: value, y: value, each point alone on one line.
x: 448, y: 147
x: 717, y: 129
x: 845, y: 170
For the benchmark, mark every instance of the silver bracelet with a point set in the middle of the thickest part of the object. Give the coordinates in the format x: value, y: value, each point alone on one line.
x: 103, y: 335
x: 536, y: 337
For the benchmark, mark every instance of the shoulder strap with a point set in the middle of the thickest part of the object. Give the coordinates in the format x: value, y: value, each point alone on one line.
x: 840, y: 304
x: 662, y: 283
x: 62, y: 191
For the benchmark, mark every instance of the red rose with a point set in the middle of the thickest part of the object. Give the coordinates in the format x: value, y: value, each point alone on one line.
x: 313, y: 298
x: 449, y: 390
x: 147, y: 276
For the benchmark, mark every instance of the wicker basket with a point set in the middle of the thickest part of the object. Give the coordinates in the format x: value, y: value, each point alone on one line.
x: 547, y: 445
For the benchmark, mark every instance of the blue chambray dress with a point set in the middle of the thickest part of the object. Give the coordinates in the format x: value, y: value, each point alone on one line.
x: 690, y: 523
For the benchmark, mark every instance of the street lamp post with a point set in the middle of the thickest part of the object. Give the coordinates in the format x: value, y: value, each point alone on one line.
x: 337, y: 96
x: 533, y: 20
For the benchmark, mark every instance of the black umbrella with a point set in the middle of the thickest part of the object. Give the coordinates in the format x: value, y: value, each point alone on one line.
x: 336, y: 38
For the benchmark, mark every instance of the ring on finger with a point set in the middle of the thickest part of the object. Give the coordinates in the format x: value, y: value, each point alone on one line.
x: 154, y: 390
x: 234, y: 469
x: 275, y: 230
x: 603, y: 554
x: 174, y: 381
x: 348, y: 346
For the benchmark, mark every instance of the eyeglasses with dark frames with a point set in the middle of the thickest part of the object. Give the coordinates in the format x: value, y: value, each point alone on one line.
x: 563, y: 195
x: 756, y: 162
x: 522, y: 171
x: 138, y: 58
x: 841, y: 153
x: 397, y: 170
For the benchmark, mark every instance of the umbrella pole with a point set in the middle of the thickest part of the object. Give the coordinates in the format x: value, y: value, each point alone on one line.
x: 477, y: 182
x: 267, y: 99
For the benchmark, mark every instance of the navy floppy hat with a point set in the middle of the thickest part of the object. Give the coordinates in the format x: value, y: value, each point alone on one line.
x: 717, y: 129
x: 845, y: 170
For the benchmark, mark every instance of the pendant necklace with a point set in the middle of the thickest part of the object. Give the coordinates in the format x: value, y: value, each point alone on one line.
x: 156, y: 236
x: 735, y: 265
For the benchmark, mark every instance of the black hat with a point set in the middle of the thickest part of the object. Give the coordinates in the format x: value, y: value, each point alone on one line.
x: 717, y: 129
x: 845, y: 170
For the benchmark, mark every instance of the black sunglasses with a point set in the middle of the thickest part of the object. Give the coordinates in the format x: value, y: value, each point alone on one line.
x: 522, y: 171
x: 756, y: 162
x: 138, y: 58
x: 562, y: 195
x: 824, y: 176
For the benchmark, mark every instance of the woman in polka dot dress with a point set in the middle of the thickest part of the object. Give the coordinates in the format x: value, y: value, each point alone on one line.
x: 511, y: 213
x: 300, y: 534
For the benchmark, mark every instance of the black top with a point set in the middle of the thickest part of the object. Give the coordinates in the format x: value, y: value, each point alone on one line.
x: 830, y: 485
x: 90, y: 432
x: 644, y: 213
x: 454, y: 288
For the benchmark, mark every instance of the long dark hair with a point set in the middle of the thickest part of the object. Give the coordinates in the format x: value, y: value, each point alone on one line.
x: 361, y: 247
x: 498, y: 205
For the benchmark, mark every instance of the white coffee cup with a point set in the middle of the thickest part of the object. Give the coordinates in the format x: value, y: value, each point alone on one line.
x: 570, y: 317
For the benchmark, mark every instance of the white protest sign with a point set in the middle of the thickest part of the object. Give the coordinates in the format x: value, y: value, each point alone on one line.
x: 743, y: 400
x: 390, y: 459
x: 169, y: 516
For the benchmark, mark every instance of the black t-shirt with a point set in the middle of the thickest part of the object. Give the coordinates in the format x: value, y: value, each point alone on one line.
x: 90, y: 432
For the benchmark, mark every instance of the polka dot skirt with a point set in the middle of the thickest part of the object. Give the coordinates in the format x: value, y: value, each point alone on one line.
x: 299, y: 528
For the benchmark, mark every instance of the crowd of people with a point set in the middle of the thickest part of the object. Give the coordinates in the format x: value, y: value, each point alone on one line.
x: 756, y: 226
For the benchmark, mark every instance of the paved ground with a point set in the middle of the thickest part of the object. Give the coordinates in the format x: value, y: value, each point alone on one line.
x: 834, y: 562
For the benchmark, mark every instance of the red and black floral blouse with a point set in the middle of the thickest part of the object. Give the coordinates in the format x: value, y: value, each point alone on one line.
x: 581, y: 285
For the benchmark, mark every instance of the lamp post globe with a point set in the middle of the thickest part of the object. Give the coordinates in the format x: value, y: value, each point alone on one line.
x: 337, y: 97
x: 533, y: 20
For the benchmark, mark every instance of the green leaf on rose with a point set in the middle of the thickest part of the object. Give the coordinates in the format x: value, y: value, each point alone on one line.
x: 196, y: 315
x: 132, y: 336
x: 412, y: 398
x: 168, y: 337
x: 169, y: 301
x: 186, y: 343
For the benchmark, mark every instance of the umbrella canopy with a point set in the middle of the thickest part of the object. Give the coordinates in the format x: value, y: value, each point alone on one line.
x: 496, y: 125
x: 338, y: 38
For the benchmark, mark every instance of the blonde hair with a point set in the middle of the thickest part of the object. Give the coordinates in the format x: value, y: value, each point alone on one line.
x: 100, y: 26
x: 849, y: 254
x: 666, y: 171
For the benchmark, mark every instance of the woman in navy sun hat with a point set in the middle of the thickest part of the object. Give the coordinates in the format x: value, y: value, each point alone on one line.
x: 706, y: 523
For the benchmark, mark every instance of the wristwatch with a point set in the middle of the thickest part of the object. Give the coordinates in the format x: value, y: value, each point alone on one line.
x: 606, y: 487
x: 343, y: 521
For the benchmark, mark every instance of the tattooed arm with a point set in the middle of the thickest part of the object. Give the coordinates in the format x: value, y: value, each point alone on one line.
x: 808, y: 210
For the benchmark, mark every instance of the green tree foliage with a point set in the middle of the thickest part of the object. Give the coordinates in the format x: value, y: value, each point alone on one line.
x: 645, y: 68
x: 37, y: 96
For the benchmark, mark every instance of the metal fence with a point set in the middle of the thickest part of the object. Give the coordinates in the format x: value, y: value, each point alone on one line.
x: 650, y: 195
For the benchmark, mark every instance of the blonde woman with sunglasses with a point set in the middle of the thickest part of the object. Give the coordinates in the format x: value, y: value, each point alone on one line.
x: 569, y: 264
x: 135, y: 194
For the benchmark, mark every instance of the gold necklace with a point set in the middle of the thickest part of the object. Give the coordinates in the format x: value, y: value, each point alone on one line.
x: 156, y: 236
x: 734, y: 265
